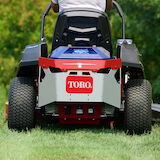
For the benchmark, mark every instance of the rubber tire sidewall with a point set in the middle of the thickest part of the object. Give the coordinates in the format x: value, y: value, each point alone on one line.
x: 138, y: 115
x: 22, y: 102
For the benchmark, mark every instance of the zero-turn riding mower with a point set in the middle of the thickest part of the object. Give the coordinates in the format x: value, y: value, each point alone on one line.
x: 81, y: 82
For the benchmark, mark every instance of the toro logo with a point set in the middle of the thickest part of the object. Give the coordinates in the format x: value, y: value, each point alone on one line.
x: 79, y: 84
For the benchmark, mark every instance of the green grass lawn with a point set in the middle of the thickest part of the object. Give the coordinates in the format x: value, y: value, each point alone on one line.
x: 55, y: 142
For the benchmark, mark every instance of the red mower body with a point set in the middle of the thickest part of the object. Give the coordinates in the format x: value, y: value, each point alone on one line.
x: 79, y: 108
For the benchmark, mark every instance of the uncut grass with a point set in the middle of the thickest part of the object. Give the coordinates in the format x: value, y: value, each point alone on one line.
x: 56, y: 142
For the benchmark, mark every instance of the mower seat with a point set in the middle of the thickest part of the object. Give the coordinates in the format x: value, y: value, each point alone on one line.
x: 82, y: 27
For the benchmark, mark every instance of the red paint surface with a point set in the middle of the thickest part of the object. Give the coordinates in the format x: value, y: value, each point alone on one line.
x: 83, y: 121
x: 92, y: 65
x: 111, y: 122
x: 85, y: 118
x: 6, y: 114
x: 79, y: 84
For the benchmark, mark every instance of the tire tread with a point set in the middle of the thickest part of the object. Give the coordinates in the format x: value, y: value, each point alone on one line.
x: 138, y: 93
x: 22, y: 100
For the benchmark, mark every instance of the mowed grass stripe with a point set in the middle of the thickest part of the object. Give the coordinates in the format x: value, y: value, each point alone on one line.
x: 56, y: 142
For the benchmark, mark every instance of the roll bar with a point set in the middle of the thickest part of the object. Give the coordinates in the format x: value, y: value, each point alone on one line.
x: 45, y: 13
x: 118, y: 8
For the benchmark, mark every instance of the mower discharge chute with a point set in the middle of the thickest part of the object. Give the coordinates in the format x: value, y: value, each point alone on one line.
x: 81, y: 82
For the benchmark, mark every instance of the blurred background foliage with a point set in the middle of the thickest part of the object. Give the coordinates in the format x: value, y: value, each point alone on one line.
x: 20, y: 25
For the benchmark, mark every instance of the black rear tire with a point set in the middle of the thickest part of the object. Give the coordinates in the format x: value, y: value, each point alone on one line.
x: 22, y: 102
x: 138, y: 101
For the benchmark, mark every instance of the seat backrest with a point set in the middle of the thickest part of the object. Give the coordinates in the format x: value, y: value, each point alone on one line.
x: 78, y: 27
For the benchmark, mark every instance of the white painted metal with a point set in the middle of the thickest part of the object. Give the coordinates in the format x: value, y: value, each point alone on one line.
x: 105, y: 89
x: 156, y: 107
